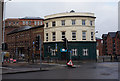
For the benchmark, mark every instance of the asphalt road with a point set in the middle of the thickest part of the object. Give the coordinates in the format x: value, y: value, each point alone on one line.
x: 85, y: 71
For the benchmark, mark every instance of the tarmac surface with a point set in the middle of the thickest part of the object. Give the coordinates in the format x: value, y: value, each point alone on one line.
x: 105, y: 70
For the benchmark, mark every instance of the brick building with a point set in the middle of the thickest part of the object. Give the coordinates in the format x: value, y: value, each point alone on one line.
x: 117, y: 42
x: 13, y: 23
x: 104, y: 37
x: 111, y: 43
x: 99, y: 46
x: 20, y: 42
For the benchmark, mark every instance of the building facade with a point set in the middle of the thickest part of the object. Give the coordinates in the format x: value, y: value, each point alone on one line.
x: 99, y: 46
x: 111, y: 43
x: 20, y: 42
x: 78, y: 28
x: 14, y: 23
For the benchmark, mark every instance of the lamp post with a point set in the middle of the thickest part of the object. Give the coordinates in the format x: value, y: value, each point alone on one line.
x: 4, y: 12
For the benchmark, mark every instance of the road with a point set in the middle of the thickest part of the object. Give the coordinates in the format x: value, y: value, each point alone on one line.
x: 85, y: 71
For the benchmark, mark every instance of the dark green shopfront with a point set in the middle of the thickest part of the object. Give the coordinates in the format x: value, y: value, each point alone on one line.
x: 78, y: 50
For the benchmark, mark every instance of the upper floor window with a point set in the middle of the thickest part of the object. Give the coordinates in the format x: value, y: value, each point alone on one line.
x: 41, y: 22
x: 91, y: 23
x: 9, y: 23
x: 29, y: 22
x: 13, y: 23
x: 23, y: 22
x: 63, y: 35
x: 46, y: 24
x: 17, y: 23
x: 85, y: 52
x: 74, y: 52
x: 46, y: 36
x: 35, y: 22
x: 38, y: 23
x: 84, y: 35
x: 74, y: 35
x: 53, y: 36
x: 26, y: 22
x: 73, y: 22
x: 83, y: 22
x: 63, y: 22
x: 91, y: 35
x: 53, y: 23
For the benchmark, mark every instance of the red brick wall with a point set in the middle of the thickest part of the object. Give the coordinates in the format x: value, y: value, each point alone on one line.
x: 99, y: 46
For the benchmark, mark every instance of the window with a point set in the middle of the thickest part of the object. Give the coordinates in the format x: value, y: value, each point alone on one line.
x: 83, y: 22
x: 63, y: 22
x: 85, y: 52
x: 46, y: 36
x: 41, y: 23
x: 53, y: 36
x: 46, y: 24
x: 74, y: 52
x: 35, y: 22
x: 91, y: 35
x: 38, y: 23
x: 63, y: 35
x: 73, y: 35
x: 17, y: 23
x: 91, y: 23
x: 73, y: 22
x: 9, y: 23
x: 26, y: 22
x: 53, y: 52
x: 84, y: 35
x: 53, y: 23
x: 13, y: 23
x: 29, y: 22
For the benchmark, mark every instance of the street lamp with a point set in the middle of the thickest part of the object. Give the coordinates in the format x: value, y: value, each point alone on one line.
x: 4, y: 12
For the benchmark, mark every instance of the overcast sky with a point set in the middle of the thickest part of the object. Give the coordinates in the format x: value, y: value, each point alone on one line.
x: 106, y: 12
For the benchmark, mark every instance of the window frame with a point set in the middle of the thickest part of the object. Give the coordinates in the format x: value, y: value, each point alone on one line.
x: 63, y: 35
x: 63, y: 22
x: 83, y: 22
x: 73, y: 21
x: 73, y: 35
x: 85, y: 52
x: 46, y: 36
x: 53, y: 36
x: 84, y: 35
x: 53, y: 23
x: 74, y: 52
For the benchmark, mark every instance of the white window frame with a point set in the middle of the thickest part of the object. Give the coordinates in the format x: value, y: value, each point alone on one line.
x: 26, y: 22
x: 73, y: 35
x: 38, y: 22
x: 53, y: 52
x: 53, y: 36
x: 73, y: 22
x: 46, y: 36
x: 83, y: 35
x: 35, y: 23
x: 85, y: 52
x: 41, y: 22
x: 63, y: 22
x: 53, y: 24
x: 83, y: 22
x: 74, y: 52
x: 63, y: 35
x: 91, y: 23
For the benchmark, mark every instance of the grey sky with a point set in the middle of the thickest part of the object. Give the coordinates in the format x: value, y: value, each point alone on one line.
x: 106, y: 12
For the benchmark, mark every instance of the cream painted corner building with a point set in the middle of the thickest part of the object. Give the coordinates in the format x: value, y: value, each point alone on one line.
x: 74, y: 26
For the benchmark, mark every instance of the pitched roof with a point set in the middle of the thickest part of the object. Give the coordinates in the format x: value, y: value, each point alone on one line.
x: 97, y: 38
x: 112, y: 34
x: 20, y: 29
x: 31, y: 18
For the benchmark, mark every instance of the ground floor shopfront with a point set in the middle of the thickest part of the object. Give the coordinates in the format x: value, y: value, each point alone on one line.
x: 77, y: 50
